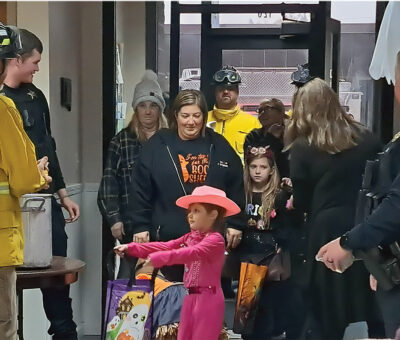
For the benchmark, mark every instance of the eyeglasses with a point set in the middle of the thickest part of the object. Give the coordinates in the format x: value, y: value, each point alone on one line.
x: 265, y: 110
x: 230, y: 76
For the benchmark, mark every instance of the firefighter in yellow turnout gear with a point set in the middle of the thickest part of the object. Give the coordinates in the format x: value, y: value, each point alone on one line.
x: 227, y: 118
x: 20, y: 174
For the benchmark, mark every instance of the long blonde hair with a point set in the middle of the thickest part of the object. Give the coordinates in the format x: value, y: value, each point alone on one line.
x: 270, y: 189
x: 318, y: 117
x: 136, y: 127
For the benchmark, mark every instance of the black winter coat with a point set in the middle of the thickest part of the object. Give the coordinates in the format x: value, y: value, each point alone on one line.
x: 325, y: 186
x: 156, y: 186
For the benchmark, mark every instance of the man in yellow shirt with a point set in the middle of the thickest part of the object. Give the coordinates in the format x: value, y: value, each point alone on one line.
x: 226, y: 118
x: 20, y: 174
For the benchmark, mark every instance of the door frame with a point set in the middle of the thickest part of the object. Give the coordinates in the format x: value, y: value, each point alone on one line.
x: 212, y: 60
x: 321, y: 37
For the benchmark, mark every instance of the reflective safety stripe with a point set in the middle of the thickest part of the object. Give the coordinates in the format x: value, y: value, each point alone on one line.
x: 4, y: 188
x: 6, y: 42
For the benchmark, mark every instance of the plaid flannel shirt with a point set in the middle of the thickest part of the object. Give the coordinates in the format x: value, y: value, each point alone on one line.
x: 113, y: 196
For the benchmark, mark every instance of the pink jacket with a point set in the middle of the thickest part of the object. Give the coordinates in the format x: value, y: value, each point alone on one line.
x: 201, y: 253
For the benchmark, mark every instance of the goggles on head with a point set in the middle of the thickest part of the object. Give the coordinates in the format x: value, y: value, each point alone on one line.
x: 227, y: 76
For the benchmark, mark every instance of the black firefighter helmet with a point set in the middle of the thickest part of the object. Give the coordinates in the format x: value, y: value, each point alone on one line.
x: 10, y: 42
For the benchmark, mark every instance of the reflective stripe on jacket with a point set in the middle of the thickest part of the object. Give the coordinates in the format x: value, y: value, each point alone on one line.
x: 4, y: 188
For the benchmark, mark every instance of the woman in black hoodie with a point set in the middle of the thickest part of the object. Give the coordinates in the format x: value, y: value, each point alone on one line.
x: 176, y: 161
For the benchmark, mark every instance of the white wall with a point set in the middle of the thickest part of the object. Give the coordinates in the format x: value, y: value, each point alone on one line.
x: 131, y: 33
x: 91, y: 92
x: 91, y: 161
x: 33, y: 16
x: 64, y: 42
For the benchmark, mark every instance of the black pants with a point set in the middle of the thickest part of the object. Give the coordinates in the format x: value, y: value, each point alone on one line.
x: 389, y: 302
x: 56, y: 301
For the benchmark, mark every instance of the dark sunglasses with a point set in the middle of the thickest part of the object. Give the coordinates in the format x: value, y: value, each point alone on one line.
x: 266, y: 110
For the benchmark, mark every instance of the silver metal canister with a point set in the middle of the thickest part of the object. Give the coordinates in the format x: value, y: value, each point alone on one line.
x: 36, y: 219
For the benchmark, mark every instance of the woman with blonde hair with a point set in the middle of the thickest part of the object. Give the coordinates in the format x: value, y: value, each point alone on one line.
x: 114, y: 193
x: 328, y: 152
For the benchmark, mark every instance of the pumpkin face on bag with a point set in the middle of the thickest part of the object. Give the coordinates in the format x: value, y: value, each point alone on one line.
x: 124, y: 336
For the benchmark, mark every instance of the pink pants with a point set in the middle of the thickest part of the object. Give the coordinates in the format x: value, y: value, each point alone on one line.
x: 202, y: 316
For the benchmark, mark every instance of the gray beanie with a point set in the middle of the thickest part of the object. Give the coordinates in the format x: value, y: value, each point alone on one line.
x: 148, y: 89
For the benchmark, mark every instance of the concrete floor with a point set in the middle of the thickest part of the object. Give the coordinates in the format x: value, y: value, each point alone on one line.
x: 354, y: 331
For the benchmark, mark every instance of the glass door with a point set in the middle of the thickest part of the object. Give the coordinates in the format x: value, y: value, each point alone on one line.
x: 265, y: 74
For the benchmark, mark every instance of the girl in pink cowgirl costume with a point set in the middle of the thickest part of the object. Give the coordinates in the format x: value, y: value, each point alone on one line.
x: 202, y: 253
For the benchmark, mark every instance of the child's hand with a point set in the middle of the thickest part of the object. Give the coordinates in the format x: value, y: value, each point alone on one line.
x: 373, y: 283
x: 286, y: 181
x: 277, y: 130
x: 289, y: 203
x: 233, y: 238
x: 121, y: 250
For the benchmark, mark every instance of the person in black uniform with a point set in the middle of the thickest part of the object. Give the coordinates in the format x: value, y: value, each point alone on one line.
x: 381, y: 228
x: 33, y: 107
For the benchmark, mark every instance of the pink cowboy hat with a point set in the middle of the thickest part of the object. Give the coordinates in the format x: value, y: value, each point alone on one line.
x: 207, y: 194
